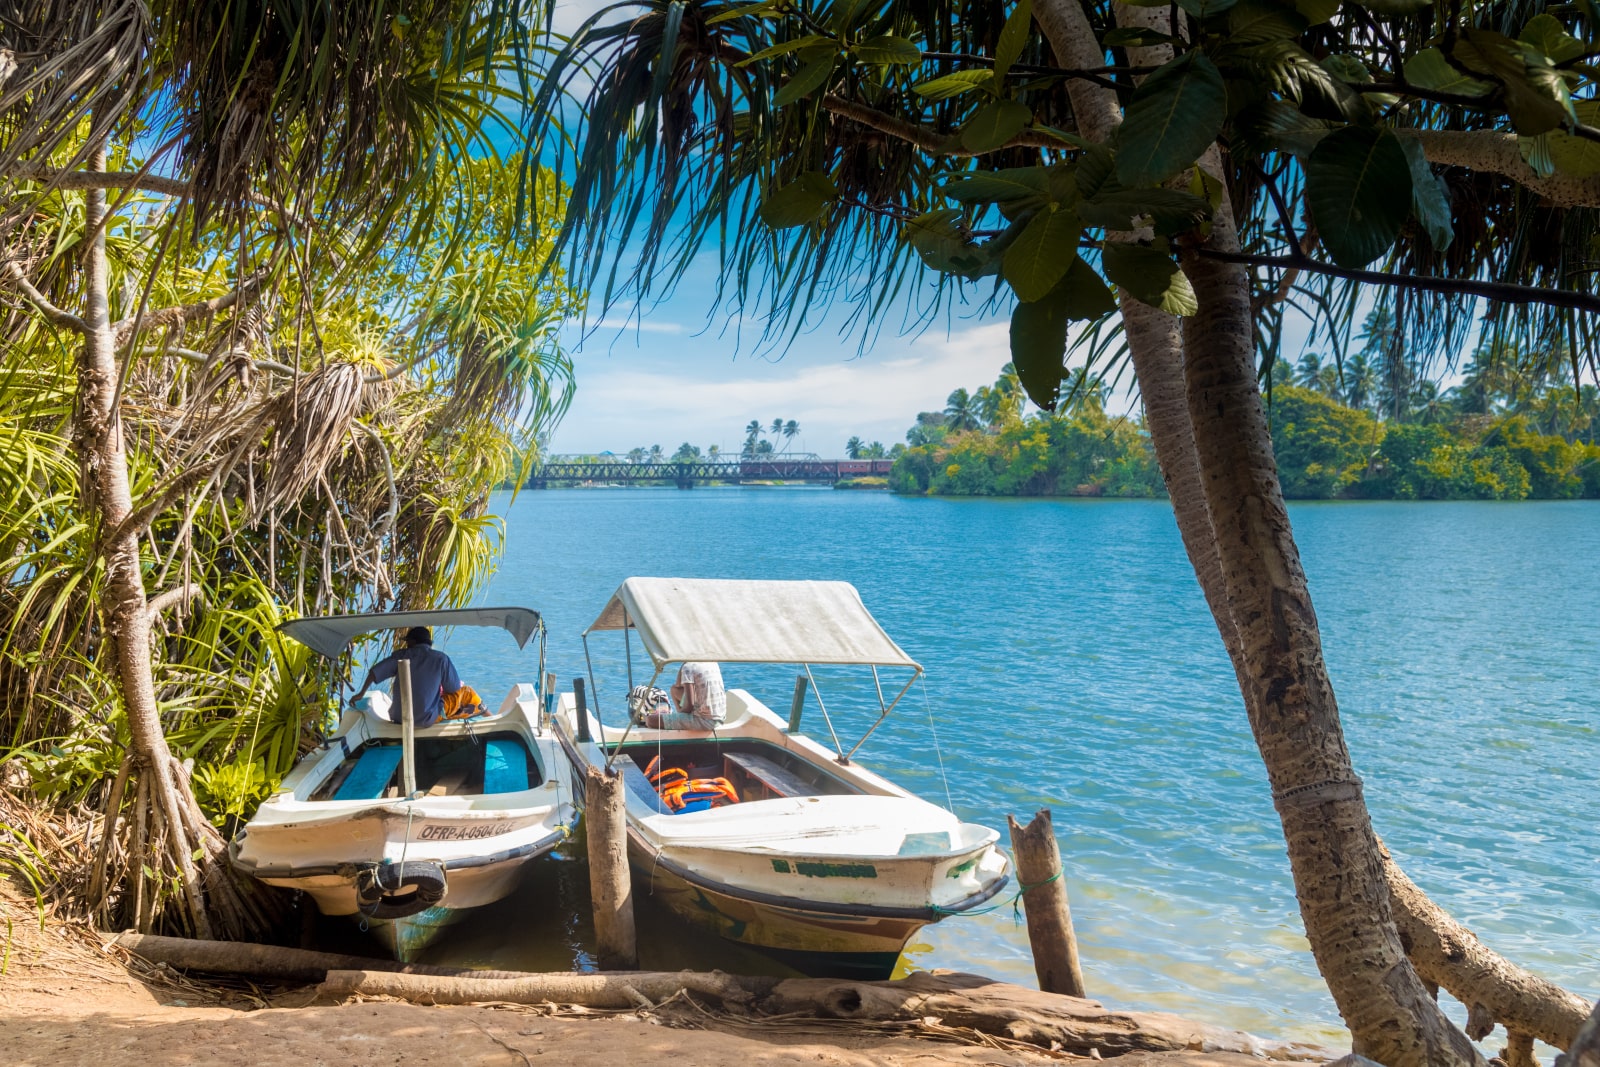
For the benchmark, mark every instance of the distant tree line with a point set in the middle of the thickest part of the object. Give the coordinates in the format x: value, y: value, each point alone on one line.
x: 982, y: 445
x: 1374, y: 427
x: 1368, y: 427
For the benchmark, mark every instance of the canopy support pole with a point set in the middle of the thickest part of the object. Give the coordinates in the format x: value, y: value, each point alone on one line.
x: 837, y: 747
x: 627, y: 646
x: 884, y: 714
x: 594, y: 690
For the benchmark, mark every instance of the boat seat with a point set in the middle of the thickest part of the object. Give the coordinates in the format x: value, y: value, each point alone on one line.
x: 370, y: 776
x: 640, y: 786
x: 521, y: 692
x: 505, y: 766
x: 778, y: 782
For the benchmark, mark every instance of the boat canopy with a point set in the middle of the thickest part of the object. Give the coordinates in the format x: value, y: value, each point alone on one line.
x: 332, y: 634
x: 728, y: 621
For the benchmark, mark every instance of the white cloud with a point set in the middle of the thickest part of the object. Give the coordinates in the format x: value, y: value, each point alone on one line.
x: 634, y: 325
x: 618, y: 405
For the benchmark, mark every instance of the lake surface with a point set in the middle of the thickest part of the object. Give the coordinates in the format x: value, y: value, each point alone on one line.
x: 1072, y: 665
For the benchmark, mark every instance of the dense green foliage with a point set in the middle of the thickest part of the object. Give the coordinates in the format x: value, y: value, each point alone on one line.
x: 1326, y: 449
x: 981, y: 445
x: 1497, y: 436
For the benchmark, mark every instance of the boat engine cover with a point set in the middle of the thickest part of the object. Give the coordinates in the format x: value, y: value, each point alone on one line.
x: 382, y: 891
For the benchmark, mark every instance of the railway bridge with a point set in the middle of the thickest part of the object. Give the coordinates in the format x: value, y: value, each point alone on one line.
x: 618, y: 470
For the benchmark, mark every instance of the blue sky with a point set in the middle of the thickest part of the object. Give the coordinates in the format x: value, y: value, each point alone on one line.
x: 677, y: 374
x: 671, y: 376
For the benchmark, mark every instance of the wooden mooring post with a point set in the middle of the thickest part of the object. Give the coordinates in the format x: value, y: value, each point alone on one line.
x: 605, y: 822
x: 1044, y: 901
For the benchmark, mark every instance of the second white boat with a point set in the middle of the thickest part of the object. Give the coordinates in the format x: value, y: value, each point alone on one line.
x: 820, y: 863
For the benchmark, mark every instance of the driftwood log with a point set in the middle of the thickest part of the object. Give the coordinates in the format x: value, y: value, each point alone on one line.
x: 1048, y: 1020
x: 962, y: 1000
x: 271, y: 961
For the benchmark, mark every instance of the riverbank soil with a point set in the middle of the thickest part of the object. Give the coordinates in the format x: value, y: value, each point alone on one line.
x: 66, y: 1001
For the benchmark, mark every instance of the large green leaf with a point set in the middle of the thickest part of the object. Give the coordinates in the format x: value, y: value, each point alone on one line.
x: 962, y: 81
x: 1429, y: 69
x: 1536, y: 97
x: 810, y: 78
x: 801, y: 201
x: 1358, y: 185
x: 1430, y: 196
x: 1347, y: 69
x: 1577, y: 157
x: 1042, y: 253
x: 1095, y: 170
x: 1172, y: 118
x: 941, y: 243
x: 1317, y: 12
x: 1149, y: 275
x: 1264, y: 20
x: 784, y: 49
x: 998, y: 186
x: 1395, y: 8
x: 1546, y: 33
x: 888, y: 51
x: 993, y: 124
x: 763, y: 9
x: 1039, y: 330
x: 1169, y: 211
x: 1204, y: 9
x: 1013, y: 38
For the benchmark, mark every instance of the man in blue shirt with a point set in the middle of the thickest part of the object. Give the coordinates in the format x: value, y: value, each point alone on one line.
x: 432, y: 676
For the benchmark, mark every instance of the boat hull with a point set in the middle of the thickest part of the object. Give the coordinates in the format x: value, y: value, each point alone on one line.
x: 834, y: 886
x: 822, y: 943
x: 423, y: 861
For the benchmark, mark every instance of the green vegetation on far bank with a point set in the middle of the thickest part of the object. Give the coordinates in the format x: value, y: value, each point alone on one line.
x: 1338, y: 434
x: 982, y: 445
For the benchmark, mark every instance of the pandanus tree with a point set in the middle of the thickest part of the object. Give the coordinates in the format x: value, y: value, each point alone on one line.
x: 1198, y: 170
x: 297, y: 348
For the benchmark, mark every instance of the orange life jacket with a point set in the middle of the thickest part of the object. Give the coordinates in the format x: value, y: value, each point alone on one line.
x: 679, y: 791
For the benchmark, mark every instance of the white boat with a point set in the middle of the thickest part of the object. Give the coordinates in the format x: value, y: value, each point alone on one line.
x: 403, y: 828
x: 821, y: 863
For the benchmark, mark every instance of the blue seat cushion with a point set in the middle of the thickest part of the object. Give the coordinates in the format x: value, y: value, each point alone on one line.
x: 370, y: 776
x: 505, y: 766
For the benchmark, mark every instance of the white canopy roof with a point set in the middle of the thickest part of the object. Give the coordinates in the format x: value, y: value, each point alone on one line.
x: 331, y: 634
x: 727, y: 621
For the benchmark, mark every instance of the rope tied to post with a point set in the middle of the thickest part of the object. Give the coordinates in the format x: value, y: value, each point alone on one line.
x: 1015, y: 902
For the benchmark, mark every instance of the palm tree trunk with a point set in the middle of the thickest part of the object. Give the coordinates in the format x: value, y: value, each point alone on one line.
x: 1333, y: 852
x: 1222, y: 489
x: 104, y: 457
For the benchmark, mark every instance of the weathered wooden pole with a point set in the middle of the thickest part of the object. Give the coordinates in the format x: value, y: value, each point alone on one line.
x: 1044, y: 899
x: 609, y: 885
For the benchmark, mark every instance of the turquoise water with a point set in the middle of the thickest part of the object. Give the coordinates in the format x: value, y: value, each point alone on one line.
x: 1072, y: 665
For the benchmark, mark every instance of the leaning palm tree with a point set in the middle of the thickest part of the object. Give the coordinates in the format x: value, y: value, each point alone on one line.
x: 1308, y: 372
x: 961, y: 412
x: 853, y: 447
x: 791, y: 430
x: 1360, y: 377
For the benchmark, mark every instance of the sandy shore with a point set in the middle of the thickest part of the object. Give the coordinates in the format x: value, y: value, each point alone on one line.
x: 67, y: 1002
